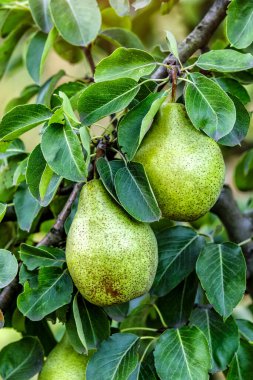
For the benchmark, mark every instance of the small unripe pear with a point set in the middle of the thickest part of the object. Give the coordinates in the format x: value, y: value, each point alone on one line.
x: 184, y: 166
x: 64, y: 363
x: 111, y: 257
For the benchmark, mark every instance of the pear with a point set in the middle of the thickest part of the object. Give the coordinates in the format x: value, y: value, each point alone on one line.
x: 111, y: 258
x: 184, y: 166
x: 64, y: 363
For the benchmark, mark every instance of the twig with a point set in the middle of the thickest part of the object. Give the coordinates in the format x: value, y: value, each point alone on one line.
x: 199, y: 37
x: 88, y: 55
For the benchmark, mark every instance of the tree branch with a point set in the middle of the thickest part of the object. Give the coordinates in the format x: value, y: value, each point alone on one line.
x: 199, y: 37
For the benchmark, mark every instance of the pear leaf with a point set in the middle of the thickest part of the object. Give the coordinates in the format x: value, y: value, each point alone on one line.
x: 125, y: 63
x: 241, y: 366
x: 226, y: 60
x: 107, y: 170
x: 239, y: 23
x: 135, y: 194
x: 35, y: 257
x: 3, y: 208
x: 8, y: 267
x: 182, y: 354
x: 41, y: 14
x: 116, y: 358
x: 221, y: 269
x: 209, y: 107
x: 23, y: 200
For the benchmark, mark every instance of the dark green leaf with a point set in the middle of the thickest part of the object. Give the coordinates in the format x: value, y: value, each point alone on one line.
x: 12, y: 18
x: 116, y: 358
x: 244, y: 172
x: 84, y: 20
x: 34, y: 55
x: 8, y: 267
x: 41, y: 180
x: 135, y: 194
x: 47, y: 89
x: 135, y: 124
x: 41, y: 256
x: 91, y: 322
x: 241, y: 126
x: 222, y: 337
x: 241, y: 367
x: 122, y: 37
x: 30, y: 276
x: 15, y: 148
x: 53, y: 291
x: 178, y: 249
x: 107, y: 170
x: 182, y: 354
x: 234, y: 88
x: 137, y: 317
x: 3, y: 208
x: 41, y: 14
x: 125, y: 63
x: 177, y: 305
x: 26, y: 207
x: 222, y: 272
x: 105, y: 98
x: 27, y: 93
x: 65, y: 156
x: 239, y: 23
x: 71, y: 89
x: 21, y: 360
x: 209, y: 107
x: 21, y: 119
x: 245, y: 329
x: 226, y: 60
x: 117, y: 312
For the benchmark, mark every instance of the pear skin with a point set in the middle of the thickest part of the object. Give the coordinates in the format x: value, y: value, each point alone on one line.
x: 185, y: 167
x: 64, y: 363
x: 111, y: 258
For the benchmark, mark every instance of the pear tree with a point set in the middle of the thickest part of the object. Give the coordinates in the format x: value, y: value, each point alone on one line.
x: 125, y: 247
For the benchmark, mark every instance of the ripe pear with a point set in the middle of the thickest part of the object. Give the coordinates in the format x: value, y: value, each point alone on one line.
x: 64, y: 363
x: 184, y: 166
x: 111, y: 257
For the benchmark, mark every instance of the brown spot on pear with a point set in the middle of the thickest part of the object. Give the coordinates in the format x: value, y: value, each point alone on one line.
x: 111, y: 257
x: 184, y: 166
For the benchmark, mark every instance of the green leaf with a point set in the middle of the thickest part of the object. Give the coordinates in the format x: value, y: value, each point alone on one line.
x: 107, y: 170
x: 21, y: 360
x: 26, y: 207
x: 122, y: 7
x: 135, y: 124
x: 172, y: 44
x: 19, y: 174
x: 225, y: 61
x: 3, y: 208
x: 117, y: 312
x: 35, y: 257
x: 13, y: 17
x: 178, y: 250
x: 65, y: 156
x: 244, y: 172
x: 241, y: 126
x: 26, y: 94
x: 91, y: 322
x: 8, y: 267
x: 239, y: 23
x: 135, y: 194
x: 47, y: 89
x: 234, y: 88
x: 176, y: 306
x: 182, y: 354
x: 115, y: 359
x: 245, y: 329
x: 241, y: 367
x: 14, y: 148
x: 137, y: 317
x: 71, y: 89
x: 41, y: 180
x: 41, y: 14
x: 53, y: 291
x: 222, y: 337
x: 37, y: 52
x: 21, y: 119
x: 9, y: 44
x: 105, y: 98
x: 67, y: 108
x: 84, y: 20
x: 86, y: 142
x: 122, y: 37
x: 209, y: 107
x: 125, y: 63
x: 222, y: 272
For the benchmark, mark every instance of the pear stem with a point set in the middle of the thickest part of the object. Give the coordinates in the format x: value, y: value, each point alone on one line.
x: 139, y: 328
x: 146, y: 350
x: 160, y: 316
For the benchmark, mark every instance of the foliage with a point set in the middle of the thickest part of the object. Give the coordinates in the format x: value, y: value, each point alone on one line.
x: 185, y: 328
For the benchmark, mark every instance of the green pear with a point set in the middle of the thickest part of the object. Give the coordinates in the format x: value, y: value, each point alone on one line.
x: 184, y: 166
x: 64, y: 363
x: 111, y: 258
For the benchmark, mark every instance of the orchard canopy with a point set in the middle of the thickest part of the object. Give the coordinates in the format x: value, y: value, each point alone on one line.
x: 126, y: 183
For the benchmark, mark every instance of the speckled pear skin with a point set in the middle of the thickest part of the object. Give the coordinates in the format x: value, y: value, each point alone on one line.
x: 184, y: 166
x: 64, y: 363
x: 111, y: 258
